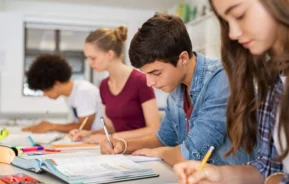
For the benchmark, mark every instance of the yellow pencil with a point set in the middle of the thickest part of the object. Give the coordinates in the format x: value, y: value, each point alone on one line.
x: 83, y: 123
x: 80, y: 128
x: 206, y: 158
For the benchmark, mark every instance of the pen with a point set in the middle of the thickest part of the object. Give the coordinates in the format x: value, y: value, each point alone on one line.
x: 31, y: 140
x: 80, y: 128
x: 35, y: 148
x: 83, y: 123
x: 206, y: 158
x: 106, y: 132
x: 52, y: 150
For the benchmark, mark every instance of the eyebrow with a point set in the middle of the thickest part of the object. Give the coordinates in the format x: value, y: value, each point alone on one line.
x: 152, y: 71
x: 231, y: 8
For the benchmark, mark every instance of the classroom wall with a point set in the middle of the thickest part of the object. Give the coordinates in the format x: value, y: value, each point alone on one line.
x: 16, y: 12
x: 1, y: 5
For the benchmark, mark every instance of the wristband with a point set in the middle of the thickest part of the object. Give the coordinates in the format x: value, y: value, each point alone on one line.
x: 272, y: 175
x: 125, y: 145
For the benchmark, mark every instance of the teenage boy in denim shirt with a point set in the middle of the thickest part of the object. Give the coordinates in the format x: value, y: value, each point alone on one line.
x: 195, y: 116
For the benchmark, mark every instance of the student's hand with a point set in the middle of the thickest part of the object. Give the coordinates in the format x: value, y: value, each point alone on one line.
x: 155, y: 152
x: 94, y: 139
x: 187, y: 173
x: 118, y: 145
x: 42, y: 127
x: 79, y: 135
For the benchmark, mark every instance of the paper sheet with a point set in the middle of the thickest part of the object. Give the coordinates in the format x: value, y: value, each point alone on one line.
x: 21, y: 139
x: 98, y: 165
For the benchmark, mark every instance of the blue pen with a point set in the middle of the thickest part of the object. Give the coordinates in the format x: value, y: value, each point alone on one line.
x: 31, y: 140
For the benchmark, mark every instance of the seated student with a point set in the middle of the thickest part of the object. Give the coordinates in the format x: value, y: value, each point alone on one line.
x: 255, y: 48
x: 51, y: 74
x: 195, y: 116
x: 129, y: 104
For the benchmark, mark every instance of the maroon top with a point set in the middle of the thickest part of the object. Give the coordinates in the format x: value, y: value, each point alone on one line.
x: 188, y: 108
x: 124, y: 109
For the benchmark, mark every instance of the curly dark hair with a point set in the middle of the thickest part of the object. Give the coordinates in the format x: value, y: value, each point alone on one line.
x: 45, y: 70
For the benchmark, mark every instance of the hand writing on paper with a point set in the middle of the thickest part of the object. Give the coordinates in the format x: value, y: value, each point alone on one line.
x: 79, y: 135
x: 96, y: 138
x: 118, y: 145
x: 187, y: 173
x: 155, y: 152
x: 42, y: 127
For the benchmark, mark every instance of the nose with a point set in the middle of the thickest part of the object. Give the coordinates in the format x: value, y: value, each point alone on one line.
x: 235, y: 31
x: 89, y: 62
x: 150, y: 81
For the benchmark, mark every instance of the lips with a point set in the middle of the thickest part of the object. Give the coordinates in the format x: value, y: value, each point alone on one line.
x: 245, y: 44
x: 161, y: 87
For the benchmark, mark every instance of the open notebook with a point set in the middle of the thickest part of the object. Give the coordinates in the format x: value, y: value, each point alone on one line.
x: 67, y: 144
x: 85, y: 167
x: 21, y: 139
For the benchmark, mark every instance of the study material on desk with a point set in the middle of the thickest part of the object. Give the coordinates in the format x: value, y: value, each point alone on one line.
x: 7, y: 154
x: 65, y: 144
x: 139, y: 159
x: 18, y: 178
x: 24, y: 138
x: 86, y: 167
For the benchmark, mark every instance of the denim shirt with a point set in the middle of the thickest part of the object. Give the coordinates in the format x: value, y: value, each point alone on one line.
x: 209, y: 92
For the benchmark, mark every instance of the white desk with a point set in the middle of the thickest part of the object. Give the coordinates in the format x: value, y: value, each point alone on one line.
x: 167, y: 175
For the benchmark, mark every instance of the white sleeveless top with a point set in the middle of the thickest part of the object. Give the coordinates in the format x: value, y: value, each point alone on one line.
x: 276, y: 139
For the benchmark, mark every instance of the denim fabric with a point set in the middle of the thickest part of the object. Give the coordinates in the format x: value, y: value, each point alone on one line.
x: 209, y: 93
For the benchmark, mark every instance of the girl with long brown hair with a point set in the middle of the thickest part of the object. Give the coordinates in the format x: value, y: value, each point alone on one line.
x: 255, y: 42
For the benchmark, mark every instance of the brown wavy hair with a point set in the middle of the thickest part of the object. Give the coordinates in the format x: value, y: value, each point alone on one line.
x: 251, y: 76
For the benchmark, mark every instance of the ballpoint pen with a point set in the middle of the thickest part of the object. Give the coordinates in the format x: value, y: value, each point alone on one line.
x: 106, y: 132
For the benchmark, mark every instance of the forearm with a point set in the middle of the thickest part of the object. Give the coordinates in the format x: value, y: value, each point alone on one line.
x: 150, y: 141
x: 241, y: 175
x: 133, y: 134
x: 172, y: 155
x: 65, y: 127
x: 100, y: 131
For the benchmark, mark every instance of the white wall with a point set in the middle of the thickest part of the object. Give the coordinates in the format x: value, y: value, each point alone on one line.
x: 12, y: 43
x: 1, y: 5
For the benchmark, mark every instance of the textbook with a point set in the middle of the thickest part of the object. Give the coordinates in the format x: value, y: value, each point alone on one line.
x: 139, y: 159
x: 85, y: 167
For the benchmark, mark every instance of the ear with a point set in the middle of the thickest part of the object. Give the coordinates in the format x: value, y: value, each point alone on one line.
x: 57, y: 85
x: 111, y: 54
x: 184, y: 58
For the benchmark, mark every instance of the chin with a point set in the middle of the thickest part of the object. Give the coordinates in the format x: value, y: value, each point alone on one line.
x: 257, y: 51
x: 166, y: 89
x: 98, y: 70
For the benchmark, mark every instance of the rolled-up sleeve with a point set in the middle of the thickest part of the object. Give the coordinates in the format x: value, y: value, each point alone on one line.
x: 208, y: 126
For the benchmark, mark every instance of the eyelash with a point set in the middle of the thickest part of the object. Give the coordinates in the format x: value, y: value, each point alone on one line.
x: 240, y: 17
x: 157, y: 74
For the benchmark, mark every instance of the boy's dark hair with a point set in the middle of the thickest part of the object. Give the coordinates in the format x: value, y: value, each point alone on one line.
x: 45, y: 70
x: 162, y: 37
